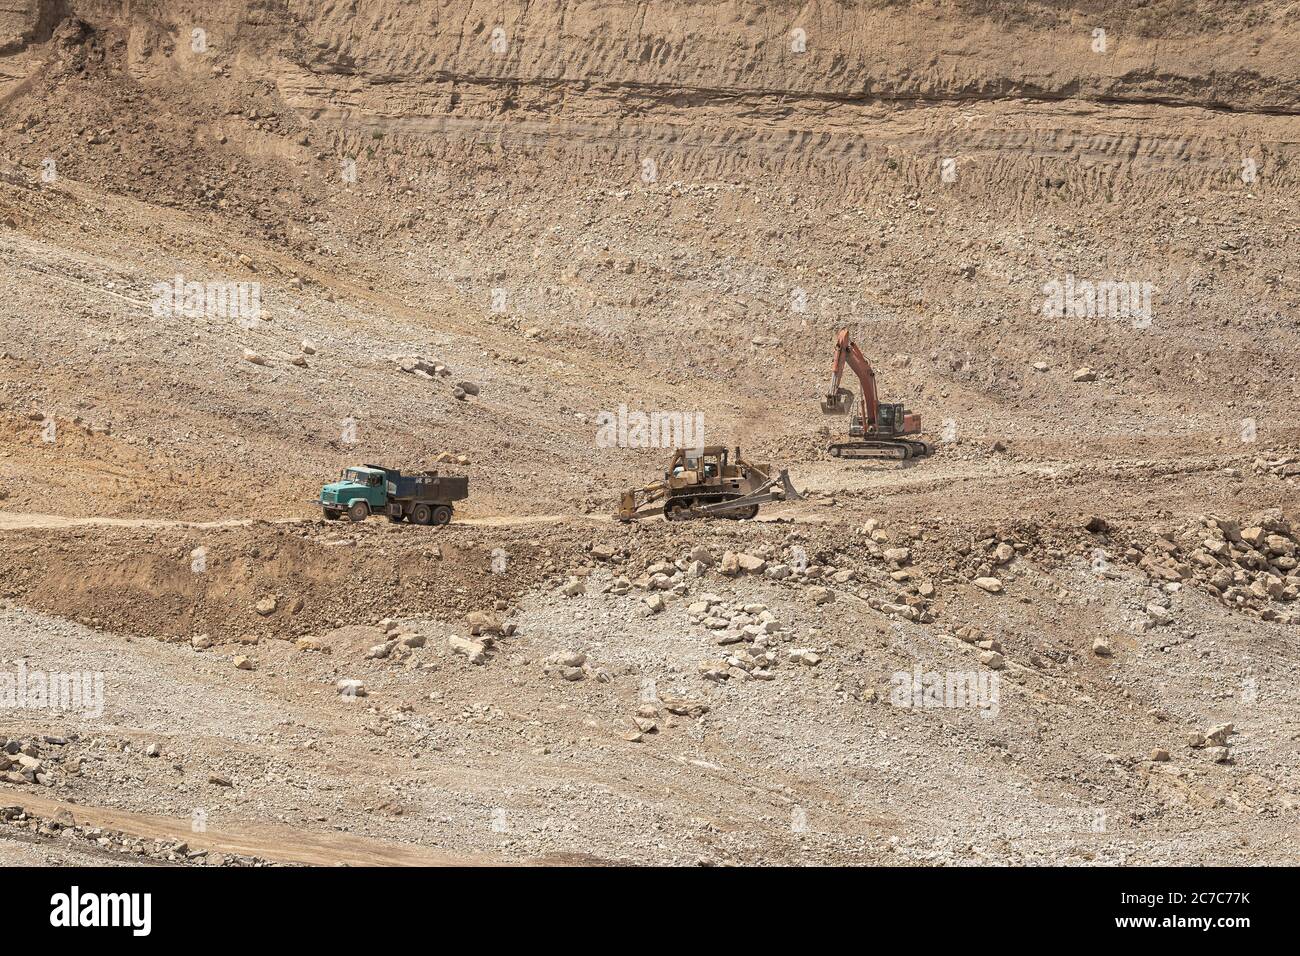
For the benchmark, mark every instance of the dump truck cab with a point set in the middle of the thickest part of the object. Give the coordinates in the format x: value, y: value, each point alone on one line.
x: 356, y: 486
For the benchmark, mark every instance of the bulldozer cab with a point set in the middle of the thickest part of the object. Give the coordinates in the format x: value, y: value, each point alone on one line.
x: 693, y: 466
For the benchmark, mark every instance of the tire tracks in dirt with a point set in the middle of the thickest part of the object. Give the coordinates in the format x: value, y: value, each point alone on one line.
x: 282, y: 844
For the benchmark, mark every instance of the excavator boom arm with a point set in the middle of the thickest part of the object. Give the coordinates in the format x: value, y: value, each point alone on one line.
x: 848, y: 353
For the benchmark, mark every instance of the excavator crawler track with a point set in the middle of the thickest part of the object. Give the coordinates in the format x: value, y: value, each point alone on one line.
x: 898, y: 449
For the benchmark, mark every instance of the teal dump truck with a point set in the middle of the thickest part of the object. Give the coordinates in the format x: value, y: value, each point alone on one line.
x: 365, y: 490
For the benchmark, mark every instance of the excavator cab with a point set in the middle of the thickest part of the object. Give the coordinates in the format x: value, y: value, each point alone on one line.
x: 889, y: 418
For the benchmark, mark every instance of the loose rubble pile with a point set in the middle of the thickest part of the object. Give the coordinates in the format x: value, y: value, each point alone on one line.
x: 1214, y: 742
x: 432, y: 370
x: 1285, y: 466
x: 574, y: 666
x: 34, y: 761
x: 397, y: 644
x: 1250, y: 568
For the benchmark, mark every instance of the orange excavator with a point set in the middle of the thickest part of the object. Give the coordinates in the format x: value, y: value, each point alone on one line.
x: 880, y: 430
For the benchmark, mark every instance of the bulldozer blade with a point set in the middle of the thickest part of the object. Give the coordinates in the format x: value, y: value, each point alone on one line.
x: 760, y: 496
x: 733, y: 504
x: 838, y: 402
x: 787, y: 491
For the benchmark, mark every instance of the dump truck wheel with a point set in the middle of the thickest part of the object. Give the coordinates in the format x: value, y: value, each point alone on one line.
x: 421, y: 514
x: 441, y: 514
x: 359, y: 511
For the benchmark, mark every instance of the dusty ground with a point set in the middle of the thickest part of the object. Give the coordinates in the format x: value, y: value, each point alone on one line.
x: 669, y: 208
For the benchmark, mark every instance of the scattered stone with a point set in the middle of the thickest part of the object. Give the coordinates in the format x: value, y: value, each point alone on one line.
x: 991, y: 585
x: 483, y: 623
x: 1158, y: 615
x: 685, y: 707
x: 821, y: 595
x: 703, y: 555
x: 1217, y: 736
x: 474, y: 651
x: 350, y: 687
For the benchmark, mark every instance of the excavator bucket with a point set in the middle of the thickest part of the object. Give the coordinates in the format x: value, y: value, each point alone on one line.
x: 838, y: 402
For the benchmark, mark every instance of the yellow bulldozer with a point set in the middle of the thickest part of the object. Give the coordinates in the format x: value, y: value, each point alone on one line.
x: 707, y: 482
